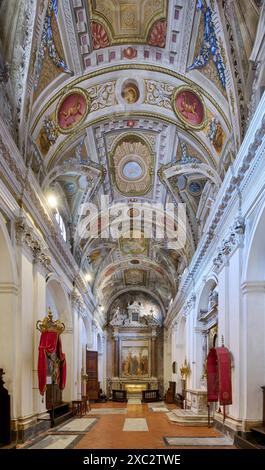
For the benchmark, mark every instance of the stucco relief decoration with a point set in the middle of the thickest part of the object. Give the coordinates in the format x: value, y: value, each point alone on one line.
x: 135, y: 309
x: 130, y: 52
x: 72, y: 109
x: 216, y: 134
x: 47, y: 43
x: 48, y: 134
x: 158, y: 34
x: 210, y: 47
x: 189, y: 107
x: 132, y: 166
x: 158, y: 93
x: 99, y: 36
x: 102, y: 95
x: 130, y: 92
x: 122, y: 22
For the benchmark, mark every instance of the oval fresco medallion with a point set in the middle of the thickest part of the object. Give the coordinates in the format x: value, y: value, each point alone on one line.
x: 72, y: 109
x: 130, y: 92
x: 189, y: 107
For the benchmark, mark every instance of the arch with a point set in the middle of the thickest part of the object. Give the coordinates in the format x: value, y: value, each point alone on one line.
x: 134, y: 289
x: 254, y: 268
x: 57, y: 299
x: 209, y: 285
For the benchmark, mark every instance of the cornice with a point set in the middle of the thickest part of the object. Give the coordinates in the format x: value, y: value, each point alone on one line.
x: 26, y: 235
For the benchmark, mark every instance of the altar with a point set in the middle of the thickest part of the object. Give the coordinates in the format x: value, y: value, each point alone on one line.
x: 134, y: 387
x: 136, y: 344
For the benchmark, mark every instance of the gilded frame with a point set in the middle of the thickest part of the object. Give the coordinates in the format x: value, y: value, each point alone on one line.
x: 71, y: 91
x: 180, y: 116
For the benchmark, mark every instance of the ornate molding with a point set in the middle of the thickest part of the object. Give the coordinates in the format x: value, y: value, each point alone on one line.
x: 131, y: 67
x: 189, y: 305
x: 26, y: 235
x: 230, y: 243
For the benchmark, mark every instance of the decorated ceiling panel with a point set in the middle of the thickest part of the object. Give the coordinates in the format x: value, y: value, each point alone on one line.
x: 122, y: 22
x: 136, y: 101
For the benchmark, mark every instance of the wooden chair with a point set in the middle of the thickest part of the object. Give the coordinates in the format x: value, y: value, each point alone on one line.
x: 78, y: 408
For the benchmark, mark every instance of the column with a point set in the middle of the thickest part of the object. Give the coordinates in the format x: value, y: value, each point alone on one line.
x: 116, y: 352
x: 39, y: 273
x: 153, y: 353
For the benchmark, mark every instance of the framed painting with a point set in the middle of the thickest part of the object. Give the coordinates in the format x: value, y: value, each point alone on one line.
x: 135, y: 359
x: 189, y: 107
x: 72, y: 109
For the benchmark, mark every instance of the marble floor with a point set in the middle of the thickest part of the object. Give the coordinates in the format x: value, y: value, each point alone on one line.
x: 132, y: 426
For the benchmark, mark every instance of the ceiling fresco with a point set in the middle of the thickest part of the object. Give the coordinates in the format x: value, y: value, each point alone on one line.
x: 135, y: 101
x: 123, y: 22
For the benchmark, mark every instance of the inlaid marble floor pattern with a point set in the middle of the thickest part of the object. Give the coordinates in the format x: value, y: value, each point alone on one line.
x: 132, y: 426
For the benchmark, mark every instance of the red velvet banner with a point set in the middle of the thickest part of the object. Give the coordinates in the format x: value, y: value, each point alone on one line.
x: 50, y: 342
x: 224, y: 371
x: 212, y: 376
x: 219, y: 386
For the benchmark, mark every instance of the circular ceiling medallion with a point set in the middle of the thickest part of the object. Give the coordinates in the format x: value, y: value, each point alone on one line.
x: 132, y: 170
x: 189, y: 107
x: 72, y: 109
x: 195, y: 188
x: 130, y: 92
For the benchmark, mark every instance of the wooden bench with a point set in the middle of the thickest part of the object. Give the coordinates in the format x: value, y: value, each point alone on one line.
x: 149, y: 396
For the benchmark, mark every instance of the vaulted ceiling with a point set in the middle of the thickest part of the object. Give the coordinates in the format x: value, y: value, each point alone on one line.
x: 140, y: 101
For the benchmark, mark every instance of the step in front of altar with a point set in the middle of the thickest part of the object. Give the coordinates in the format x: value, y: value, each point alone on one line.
x: 188, y: 418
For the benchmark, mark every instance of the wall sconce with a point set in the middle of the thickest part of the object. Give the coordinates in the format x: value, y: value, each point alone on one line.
x: 185, y: 370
